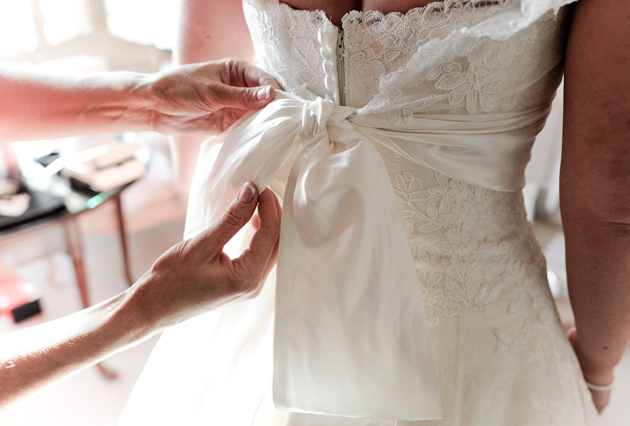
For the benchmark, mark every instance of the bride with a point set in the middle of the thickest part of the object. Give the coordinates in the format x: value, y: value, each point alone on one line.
x: 429, y: 110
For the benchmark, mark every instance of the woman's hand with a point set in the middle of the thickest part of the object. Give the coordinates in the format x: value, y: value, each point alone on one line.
x: 203, y: 98
x: 191, y: 278
x: 196, y: 275
x: 599, y: 377
x: 193, y: 99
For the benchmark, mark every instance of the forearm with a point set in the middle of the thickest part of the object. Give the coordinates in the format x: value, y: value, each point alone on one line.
x: 39, y: 356
x: 594, y: 184
x: 598, y: 273
x: 189, y: 279
x: 39, y: 106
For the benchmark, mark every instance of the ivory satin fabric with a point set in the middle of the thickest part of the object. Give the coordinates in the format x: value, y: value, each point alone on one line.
x: 358, y: 323
x: 354, y: 330
x: 350, y: 331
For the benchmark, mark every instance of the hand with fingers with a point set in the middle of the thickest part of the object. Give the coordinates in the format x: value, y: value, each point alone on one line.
x: 208, y: 97
x: 196, y: 275
x: 598, y: 380
x: 191, y: 278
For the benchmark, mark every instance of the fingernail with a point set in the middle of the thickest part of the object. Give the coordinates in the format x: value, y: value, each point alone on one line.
x: 264, y: 93
x: 247, y: 193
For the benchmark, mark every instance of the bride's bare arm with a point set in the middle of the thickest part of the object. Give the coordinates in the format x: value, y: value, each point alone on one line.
x: 595, y: 186
x: 212, y: 29
x: 209, y: 30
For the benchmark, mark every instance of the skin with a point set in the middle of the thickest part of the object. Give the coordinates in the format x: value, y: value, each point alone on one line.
x: 595, y: 160
x: 594, y: 182
x: 191, y: 278
x: 199, y: 42
x: 196, y: 99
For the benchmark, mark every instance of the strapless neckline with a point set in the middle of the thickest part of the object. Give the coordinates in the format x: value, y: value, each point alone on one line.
x: 441, y: 7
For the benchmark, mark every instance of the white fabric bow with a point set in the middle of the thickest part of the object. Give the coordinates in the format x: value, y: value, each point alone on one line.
x: 351, y: 336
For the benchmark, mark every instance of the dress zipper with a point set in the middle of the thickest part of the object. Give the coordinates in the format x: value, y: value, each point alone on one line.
x: 341, y: 72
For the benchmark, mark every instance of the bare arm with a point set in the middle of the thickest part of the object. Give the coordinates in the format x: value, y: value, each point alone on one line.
x: 198, y: 99
x: 193, y: 277
x: 209, y: 30
x: 595, y: 186
x: 34, y: 105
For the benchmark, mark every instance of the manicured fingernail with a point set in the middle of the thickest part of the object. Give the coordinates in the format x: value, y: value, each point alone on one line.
x: 247, y: 193
x: 264, y: 93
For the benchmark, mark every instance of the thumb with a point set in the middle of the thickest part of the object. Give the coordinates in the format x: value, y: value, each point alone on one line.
x: 235, y: 217
x: 572, y: 335
x: 245, y: 98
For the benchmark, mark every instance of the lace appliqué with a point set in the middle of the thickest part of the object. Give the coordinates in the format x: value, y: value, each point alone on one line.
x: 464, y: 240
x: 533, y: 343
x: 485, y: 72
x: 303, y: 55
x: 556, y: 409
x: 465, y: 76
x: 379, y: 44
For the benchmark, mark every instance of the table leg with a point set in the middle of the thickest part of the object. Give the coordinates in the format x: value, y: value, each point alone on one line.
x: 122, y: 231
x: 75, y: 249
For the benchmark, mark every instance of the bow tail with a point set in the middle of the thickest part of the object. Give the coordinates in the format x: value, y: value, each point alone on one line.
x: 254, y: 149
x: 351, y: 336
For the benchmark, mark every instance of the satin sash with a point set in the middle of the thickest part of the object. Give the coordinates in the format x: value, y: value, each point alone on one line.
x: 351, y: 336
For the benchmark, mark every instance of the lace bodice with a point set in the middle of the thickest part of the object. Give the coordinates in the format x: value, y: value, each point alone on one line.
x: 377, y: 52
x: 470, y: 244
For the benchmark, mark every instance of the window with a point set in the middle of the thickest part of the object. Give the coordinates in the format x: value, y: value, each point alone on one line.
x: 152, y: 22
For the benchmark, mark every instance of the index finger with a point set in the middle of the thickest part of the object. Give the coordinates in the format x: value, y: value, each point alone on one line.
x: 255, y: 76
x: 254, y: 260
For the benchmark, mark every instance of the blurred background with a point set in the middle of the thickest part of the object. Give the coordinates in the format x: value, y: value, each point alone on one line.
x: 112, y: 237
x: 69, y: 36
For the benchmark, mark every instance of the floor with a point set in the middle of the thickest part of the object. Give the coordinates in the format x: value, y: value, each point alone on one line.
x: 89, y: 399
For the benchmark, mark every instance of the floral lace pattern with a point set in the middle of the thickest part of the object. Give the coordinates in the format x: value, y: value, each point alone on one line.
x: 298, y: 56
x: 497, y: 341
x: 555, y: 408
x: 533, y: 342
x: 475, y: 252
x: 464, y: 239
x: 386, y: 43
x: 473, y: 76
x: 466, y: 75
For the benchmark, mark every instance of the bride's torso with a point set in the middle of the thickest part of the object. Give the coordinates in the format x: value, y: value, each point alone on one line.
x: 483, y: 277
x: 500, y: 354
x: 472, y: 246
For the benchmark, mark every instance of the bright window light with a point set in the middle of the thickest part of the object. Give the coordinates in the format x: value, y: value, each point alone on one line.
x: 17, y: 29
x: 144, y: 21
x: 65, y: 19
x: 140, y: 21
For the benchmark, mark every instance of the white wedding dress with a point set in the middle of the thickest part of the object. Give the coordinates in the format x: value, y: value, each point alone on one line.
x: 452, y: 96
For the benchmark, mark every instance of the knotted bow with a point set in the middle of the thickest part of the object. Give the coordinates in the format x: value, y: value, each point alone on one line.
x: 351, y: 336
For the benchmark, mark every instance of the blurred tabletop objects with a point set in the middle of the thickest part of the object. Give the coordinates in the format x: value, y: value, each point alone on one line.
x: 46, y: 194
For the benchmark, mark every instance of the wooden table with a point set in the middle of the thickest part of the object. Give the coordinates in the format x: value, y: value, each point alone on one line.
x: 76, y: 204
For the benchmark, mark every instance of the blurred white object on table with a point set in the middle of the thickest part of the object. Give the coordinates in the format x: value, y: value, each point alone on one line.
x: 104, y: 167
